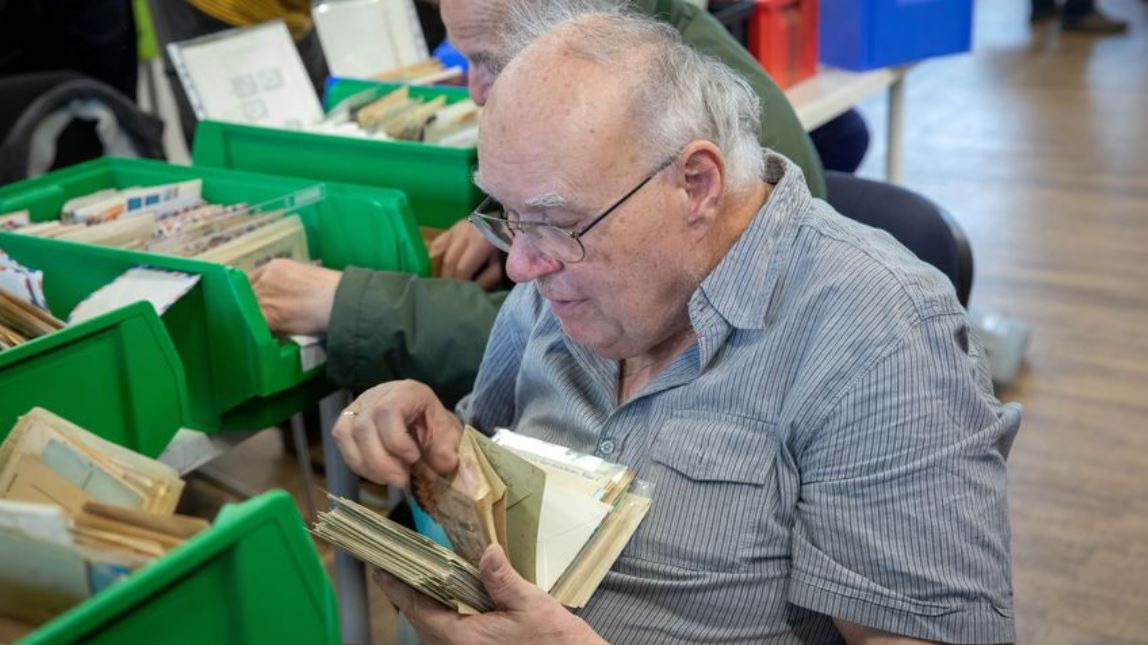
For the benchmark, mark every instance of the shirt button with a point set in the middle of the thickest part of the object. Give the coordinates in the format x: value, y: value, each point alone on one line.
x: 607, y: 447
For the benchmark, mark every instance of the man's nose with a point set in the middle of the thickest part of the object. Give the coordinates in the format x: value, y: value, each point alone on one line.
x: 526, y: 263
x: 478, y: 84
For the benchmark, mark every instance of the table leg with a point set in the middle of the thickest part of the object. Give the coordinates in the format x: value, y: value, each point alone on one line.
x: 350, y: 574
x: 894, y: 148
x: 303, y: 454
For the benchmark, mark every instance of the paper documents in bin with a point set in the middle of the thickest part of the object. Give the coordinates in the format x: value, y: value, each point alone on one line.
x: 76, y: 514
x: 561, y: 517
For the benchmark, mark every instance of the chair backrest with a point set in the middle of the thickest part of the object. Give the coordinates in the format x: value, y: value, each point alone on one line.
x: 920, y: 225
x: 52, y: 119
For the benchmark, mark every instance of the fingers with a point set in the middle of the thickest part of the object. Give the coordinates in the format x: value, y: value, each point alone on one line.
x: 467, y: 261
x: 439, y: 244
x: 466, y: 253
x: 295, y: 298
x: 491, y: 276
x: 398, y: 592
x: 397, y: 424
x: 381, y: 463
x: 508, y: 590
x: 345, y: 440
x: 434, y: 622
x: 439, y: 439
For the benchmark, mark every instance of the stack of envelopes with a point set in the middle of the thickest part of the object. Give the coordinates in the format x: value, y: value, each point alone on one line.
x: 21, y: 321
x: 561, y: 517
x: 174, y: 219
x: 397, y: 115
x: 76, y: 514
x: 416, y: 560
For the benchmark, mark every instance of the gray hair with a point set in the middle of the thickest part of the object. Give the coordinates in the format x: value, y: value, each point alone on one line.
x: 679, y: 95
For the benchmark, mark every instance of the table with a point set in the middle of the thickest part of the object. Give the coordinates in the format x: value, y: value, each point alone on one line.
x: 832, y: 91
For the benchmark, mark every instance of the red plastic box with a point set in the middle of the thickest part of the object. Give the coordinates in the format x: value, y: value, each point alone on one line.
x: 783, y: 38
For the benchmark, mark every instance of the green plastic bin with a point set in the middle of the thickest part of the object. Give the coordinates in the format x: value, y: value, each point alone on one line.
x: 253, y: 577
x: 436, y: 179
x: 229, y: 355
x: 117, y: 375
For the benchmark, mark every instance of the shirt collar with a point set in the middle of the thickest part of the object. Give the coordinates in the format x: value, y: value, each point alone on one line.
x: 744, y: 284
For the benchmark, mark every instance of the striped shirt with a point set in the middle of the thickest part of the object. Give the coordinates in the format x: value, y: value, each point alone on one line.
x: 829, y: 447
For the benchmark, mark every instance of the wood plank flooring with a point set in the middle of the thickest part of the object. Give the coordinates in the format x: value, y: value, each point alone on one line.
x: 1038, y: 144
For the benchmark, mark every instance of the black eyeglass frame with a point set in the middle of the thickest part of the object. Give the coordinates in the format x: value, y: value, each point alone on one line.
x: 480, y: 219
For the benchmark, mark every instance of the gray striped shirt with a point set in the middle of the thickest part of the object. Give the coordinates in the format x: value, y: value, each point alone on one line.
x: 830, y: 446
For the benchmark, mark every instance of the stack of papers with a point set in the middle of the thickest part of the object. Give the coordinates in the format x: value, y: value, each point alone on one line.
x: 77, y: 513
x: 421, y: 563
x: 160, y: 288
x: 561, y: 517
x: 428, y: 71
x: 21, y: 321
x: 173, y: 219
x: 399, y: 116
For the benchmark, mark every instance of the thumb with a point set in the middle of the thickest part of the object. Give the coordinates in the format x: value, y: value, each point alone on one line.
x: 439, y: 441
x: 507, y: 589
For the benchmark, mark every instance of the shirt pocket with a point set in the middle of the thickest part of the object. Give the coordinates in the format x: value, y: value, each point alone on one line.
x: 714, y: 488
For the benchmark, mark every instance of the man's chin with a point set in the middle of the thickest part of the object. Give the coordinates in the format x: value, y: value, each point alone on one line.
x: 591, y: 339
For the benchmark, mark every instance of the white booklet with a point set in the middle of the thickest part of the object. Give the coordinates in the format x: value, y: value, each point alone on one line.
x: 251, y: 75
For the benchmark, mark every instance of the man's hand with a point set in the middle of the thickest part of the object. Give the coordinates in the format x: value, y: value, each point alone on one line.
x: 466, y: 255
x: 392, y: 426
x: 523, y: 612
x: 295, y: 298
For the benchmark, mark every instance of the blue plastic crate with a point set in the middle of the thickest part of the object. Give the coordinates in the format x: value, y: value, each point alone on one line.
x: 868, y: 34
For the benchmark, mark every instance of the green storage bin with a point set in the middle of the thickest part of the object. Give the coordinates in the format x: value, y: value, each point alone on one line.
x: 436, y: 179
x: 229, y: 355
x: 118, y: 375
x: 253, y: 577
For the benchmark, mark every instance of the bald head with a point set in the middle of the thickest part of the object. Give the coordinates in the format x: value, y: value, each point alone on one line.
x: 561, y: 90
x: 668, y: 93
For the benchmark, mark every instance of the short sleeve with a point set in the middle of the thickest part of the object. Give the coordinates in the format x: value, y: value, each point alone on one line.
x: 492, y: 403
x: 902, y: 519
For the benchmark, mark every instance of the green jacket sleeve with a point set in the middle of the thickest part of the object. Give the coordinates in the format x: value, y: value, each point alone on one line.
x: 781, y: 130
x: 387, y: 326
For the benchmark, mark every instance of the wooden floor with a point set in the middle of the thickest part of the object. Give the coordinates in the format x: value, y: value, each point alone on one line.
x: 1038, y: 143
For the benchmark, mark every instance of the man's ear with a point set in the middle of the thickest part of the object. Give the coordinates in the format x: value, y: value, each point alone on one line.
x: 702, y: 172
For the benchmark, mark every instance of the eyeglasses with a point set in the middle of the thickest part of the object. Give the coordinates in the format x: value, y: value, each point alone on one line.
x: 500, y: 226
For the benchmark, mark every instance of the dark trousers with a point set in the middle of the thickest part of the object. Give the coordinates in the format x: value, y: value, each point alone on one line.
x: 92, y: 37
x: 842, y: 142
x: 1072, y: 8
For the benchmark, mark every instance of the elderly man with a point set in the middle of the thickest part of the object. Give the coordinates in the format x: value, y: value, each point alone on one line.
x: 826, y: 454
x: 384, y: 325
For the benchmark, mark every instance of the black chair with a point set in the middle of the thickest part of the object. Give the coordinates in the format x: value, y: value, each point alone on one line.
x: 33, y: 140
x: 920, y: 225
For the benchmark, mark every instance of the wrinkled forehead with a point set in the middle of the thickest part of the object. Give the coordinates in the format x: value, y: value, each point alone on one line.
x: 473, y: 26
x: 563, y: 118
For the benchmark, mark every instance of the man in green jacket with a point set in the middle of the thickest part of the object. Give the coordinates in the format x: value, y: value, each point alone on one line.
x: 383, y: 326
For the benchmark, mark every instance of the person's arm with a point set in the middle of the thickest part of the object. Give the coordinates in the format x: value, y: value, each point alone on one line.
x: 901, y: 529
x: 381, y: 325
x: 387, y: 325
